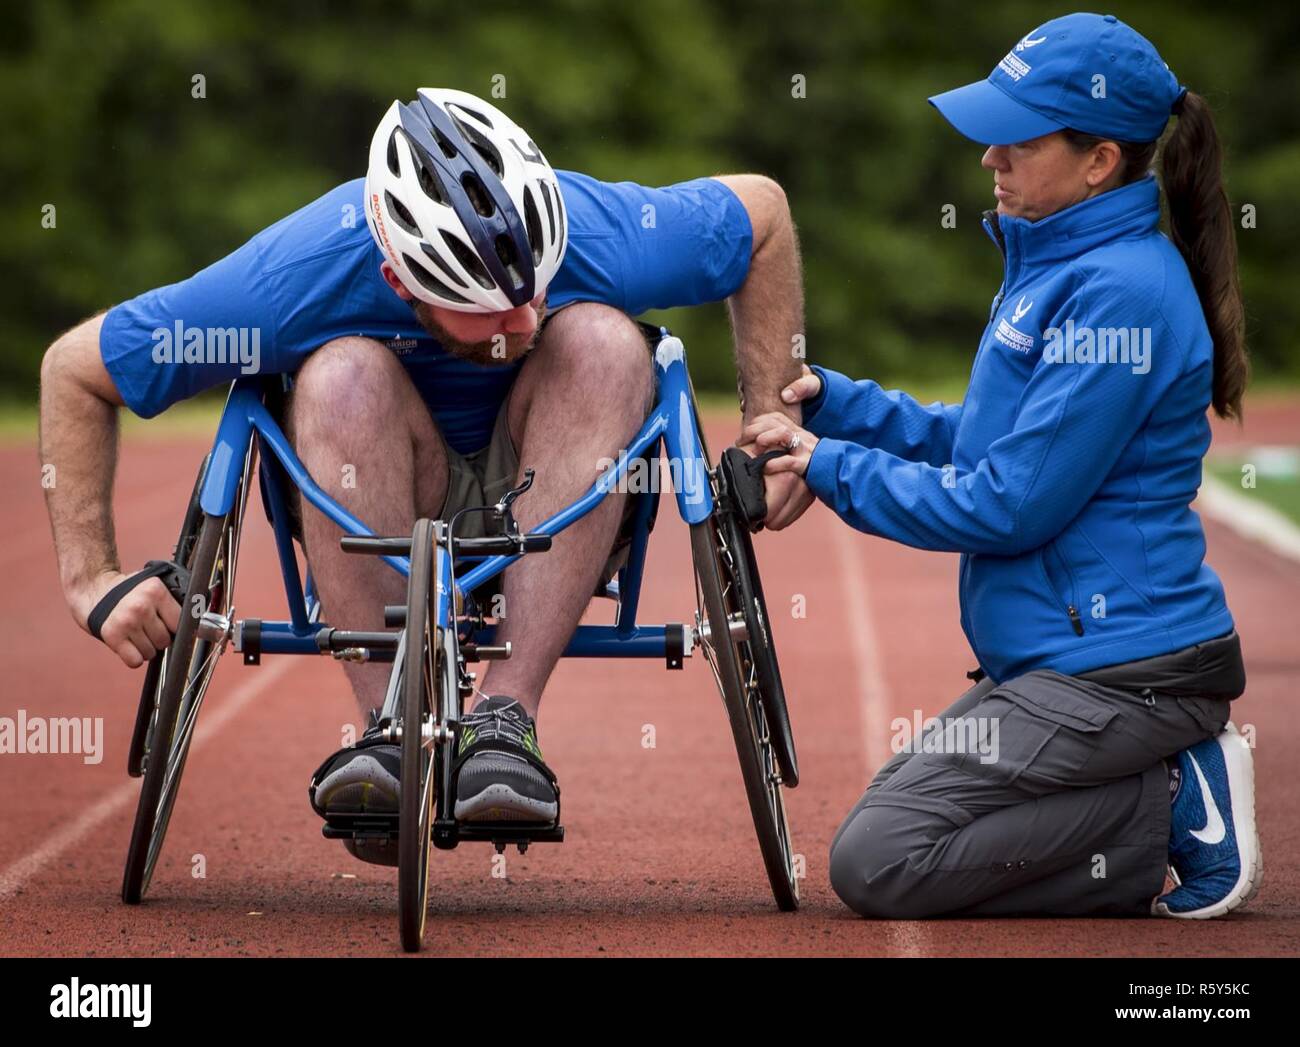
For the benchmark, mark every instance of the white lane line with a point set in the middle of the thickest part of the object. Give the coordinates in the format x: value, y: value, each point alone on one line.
x: 19, y: 873
x: 1248, y: 517
x: 863, y: 643
x: 909, y: 938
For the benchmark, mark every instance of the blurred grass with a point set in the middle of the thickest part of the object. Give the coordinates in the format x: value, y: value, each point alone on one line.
x: 1278, y: 491
x: 193, y: 418
x: 198, y: 417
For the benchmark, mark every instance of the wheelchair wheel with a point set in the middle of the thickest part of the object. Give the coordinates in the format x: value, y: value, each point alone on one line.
x: 169, y: 710
x: 183, y: 676
x: 181, y: 554
x: 737, y: 551
x: 725, y: 636
x: 419, y: 684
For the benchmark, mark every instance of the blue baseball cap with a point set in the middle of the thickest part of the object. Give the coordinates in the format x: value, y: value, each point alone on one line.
x: 1088, y: 72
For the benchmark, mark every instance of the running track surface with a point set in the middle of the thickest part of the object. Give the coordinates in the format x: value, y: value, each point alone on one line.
x: 660, y: 856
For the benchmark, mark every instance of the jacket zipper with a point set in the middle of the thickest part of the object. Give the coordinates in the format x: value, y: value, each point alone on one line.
x: 1071, y: 604
x: 995, y: 231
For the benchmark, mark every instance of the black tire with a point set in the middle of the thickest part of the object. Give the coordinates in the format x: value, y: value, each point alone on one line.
x: 730, y: 658
x: 420, y: 681
x: 739, y: 559
x: 144, y: 715
x: 184, y: 674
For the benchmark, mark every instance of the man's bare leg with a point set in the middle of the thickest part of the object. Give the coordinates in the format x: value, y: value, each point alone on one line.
x: 361, y: 429
x: 581, y: 396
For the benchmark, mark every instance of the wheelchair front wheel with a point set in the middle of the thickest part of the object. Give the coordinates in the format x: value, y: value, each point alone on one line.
x: 724, y: 631
x: 184, y: 671
x: 420, y: 682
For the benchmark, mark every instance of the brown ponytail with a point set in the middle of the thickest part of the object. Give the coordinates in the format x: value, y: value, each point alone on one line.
x: 1200, y: 226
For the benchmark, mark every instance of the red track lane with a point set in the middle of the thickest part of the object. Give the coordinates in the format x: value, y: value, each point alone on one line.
x: 660, y: 856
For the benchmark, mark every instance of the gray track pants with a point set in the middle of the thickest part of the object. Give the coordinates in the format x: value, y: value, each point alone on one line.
x: 1059, y: 805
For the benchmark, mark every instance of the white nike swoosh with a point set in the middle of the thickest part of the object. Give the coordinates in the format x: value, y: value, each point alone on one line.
x: 1214, y: 830
x: 1032, y: 43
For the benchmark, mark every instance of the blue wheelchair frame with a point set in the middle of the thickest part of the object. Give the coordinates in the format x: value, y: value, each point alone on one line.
x: 672, y: 419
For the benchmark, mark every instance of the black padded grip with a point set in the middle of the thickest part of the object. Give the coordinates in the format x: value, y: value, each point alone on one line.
x: 174, y: 576
x: 744, y: 479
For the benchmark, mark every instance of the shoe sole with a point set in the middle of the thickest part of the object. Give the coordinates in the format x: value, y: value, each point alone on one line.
x: 1240, y: 765
x: 500, y: 803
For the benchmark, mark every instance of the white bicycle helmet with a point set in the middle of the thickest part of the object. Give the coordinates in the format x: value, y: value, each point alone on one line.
x: 463, y: 204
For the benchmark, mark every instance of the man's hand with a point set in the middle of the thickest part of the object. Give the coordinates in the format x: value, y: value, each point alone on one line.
x: 142, y: 623
x: 788, y: 497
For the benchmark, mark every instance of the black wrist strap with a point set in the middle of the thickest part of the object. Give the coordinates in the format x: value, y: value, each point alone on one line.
x: 745, y: 481
x: 175, y: 577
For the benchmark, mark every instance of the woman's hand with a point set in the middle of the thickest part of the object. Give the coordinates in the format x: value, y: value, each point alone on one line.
x: 805, y: 387
x: 775, y: 430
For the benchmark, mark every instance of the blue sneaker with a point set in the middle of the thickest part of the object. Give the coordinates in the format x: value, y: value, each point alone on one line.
x: 1214, y: 849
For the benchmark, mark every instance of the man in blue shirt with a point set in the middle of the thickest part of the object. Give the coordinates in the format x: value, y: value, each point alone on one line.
x: 479, y: 318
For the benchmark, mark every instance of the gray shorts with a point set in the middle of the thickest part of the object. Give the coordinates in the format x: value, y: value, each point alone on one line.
x: 484, y: 476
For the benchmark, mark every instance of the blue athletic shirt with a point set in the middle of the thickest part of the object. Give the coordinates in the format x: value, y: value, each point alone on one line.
x: 314, y: 276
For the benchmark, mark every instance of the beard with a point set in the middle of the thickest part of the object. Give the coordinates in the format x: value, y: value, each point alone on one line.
x: 499, y: 351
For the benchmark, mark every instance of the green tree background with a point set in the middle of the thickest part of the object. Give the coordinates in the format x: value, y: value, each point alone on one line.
x: 151, y: 184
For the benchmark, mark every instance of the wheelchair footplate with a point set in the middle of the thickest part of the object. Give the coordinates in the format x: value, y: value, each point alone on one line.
x: 371, y: 831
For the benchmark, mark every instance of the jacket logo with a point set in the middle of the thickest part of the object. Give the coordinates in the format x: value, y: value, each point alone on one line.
x: 1018, y: 313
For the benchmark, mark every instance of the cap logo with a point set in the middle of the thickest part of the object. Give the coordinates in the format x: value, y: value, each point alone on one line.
x: 1013, y: 66
x: 1026, y: 42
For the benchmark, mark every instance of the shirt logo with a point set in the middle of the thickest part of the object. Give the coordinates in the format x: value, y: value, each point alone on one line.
x: 1018, y: 313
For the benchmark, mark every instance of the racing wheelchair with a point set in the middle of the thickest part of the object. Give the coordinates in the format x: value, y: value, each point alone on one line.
x: 442, y: 630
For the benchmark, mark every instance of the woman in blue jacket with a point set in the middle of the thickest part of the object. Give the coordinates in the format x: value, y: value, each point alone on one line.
x: 1094, y: 751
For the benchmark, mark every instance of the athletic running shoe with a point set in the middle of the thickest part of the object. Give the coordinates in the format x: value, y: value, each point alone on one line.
x: 500, y: 775
x: 361, y: 779
x: 1213, y: 846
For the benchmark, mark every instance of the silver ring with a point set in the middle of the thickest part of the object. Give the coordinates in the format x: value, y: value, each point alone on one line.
x: 795, y: 441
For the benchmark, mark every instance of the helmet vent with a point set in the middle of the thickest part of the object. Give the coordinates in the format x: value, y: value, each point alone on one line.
x: 469, y: 260
x: 509, y: 258
x: 480, y: 117
x: 483, y: 146
x: 550, y: 211
x: 478, y: 196
x: 443, y: 267
x: 449, y: 150
x: 431, y: 282
x: 392, y: 155
x: 401, y: 215
x: 533, y: 226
